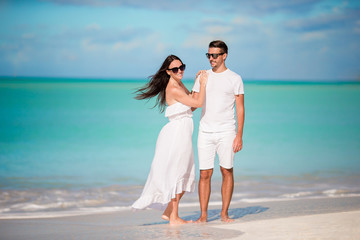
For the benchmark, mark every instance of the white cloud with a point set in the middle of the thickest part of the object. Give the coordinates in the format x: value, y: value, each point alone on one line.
x: 341, y: 7
x: 160, y: 47
x: 357, y: 27
x: 19, y: 57
x: 88, y: 45
x: 216, y: 30
x: 208, y: 30
x: 69, y: 55
x: 246, y: 21
x: 324, y: 49
x: 240, y: 21
x: 259, y: 33
x: 311, y: 36
x: 141, y: 42
x: 28, y: 36
x: 93, y: 26
x: 127, y: 46
x: 197, y: 40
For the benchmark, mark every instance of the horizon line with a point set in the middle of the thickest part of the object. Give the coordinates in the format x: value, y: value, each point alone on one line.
x: 138, y: 79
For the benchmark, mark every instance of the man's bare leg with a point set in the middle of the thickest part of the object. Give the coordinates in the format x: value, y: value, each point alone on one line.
x: 174, y: 218
x: 204, y: 193
x: 227, y: 189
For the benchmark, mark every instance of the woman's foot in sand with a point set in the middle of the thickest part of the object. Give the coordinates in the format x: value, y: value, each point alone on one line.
x: 178, y: 221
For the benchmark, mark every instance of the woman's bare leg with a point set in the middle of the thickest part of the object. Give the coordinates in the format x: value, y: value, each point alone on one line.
x: 167, y: 212
x: 174, y: 218
x: 169, y: 208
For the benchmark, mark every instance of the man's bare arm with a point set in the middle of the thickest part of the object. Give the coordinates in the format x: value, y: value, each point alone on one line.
x: 240, y: 118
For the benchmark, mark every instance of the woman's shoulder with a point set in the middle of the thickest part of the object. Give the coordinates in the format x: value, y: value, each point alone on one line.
x: 172, y: 90
x: 173, y: 86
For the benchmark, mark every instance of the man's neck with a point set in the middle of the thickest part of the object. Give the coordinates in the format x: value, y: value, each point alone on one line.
x: 220, y: 69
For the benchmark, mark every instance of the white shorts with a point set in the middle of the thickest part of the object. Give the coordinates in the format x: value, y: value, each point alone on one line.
x: 210, y: 143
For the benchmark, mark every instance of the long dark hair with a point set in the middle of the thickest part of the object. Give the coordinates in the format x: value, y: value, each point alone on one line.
x: 157, y: 84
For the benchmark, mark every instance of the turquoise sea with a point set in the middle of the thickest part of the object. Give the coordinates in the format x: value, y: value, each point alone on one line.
x: 86, y: 145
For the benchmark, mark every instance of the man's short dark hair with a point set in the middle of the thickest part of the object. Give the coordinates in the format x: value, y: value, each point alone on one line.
x: 219, y: 44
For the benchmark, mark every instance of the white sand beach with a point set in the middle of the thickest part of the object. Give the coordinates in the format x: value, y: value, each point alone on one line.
x: 343, y: 225
x: 323, y: 218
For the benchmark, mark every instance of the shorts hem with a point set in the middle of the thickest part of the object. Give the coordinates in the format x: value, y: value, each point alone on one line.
x: 206, y: 168
x: 226, y: 167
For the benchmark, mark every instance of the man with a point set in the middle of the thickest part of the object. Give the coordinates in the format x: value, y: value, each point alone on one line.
x: 217, y: 131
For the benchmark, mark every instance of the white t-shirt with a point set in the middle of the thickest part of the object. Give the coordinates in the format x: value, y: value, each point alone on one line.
x: 218, y: 113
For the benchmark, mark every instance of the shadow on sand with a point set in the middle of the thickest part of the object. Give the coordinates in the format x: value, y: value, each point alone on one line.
x: 215, y: 214
x: 235, y: 213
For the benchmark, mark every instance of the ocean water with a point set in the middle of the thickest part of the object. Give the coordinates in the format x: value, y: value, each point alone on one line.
x: 73, y: 146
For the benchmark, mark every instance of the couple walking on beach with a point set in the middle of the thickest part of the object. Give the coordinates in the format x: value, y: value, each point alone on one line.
x: 172, y: 173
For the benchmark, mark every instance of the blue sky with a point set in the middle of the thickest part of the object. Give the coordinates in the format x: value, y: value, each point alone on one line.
x: 276, y: 40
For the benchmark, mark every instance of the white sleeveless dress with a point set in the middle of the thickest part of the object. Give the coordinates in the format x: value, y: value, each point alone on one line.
x: 173, y: 169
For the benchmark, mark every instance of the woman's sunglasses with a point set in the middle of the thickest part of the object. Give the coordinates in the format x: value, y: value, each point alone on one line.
x: 213, y: 55
x: 176, y: 69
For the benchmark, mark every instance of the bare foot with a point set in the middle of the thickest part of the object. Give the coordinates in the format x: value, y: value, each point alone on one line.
x: 201, y: 220
x: 178, y: 221
x: 227, y: 219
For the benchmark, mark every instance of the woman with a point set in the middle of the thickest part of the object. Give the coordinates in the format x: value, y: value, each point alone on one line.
x: 172, y: 170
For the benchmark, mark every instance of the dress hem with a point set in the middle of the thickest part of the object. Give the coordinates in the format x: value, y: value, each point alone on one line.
x: 160, y: 201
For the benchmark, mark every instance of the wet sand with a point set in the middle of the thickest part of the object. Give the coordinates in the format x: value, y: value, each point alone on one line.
x: 324, y: 218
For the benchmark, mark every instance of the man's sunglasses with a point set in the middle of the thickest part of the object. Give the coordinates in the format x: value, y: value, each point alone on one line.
x: 213, y: 55
x: 176, y: 69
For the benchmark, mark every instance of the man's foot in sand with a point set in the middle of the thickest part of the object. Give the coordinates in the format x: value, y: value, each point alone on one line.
x: 201, y: 220
x: 178, y: 221
x: 226, y: 219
